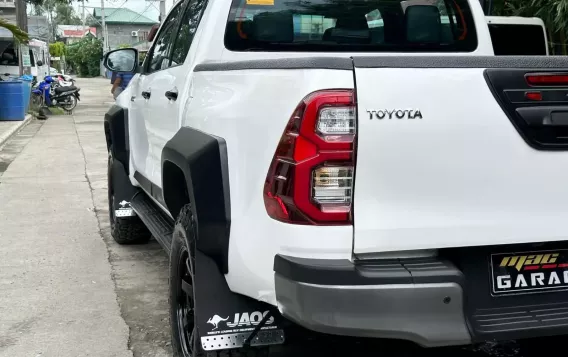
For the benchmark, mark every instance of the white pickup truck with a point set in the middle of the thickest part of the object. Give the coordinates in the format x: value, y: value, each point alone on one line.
x: 304, y: 169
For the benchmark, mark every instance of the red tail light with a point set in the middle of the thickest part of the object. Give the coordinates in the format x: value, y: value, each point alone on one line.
x: 547, y: 79
x: 533, y: 96
x: 310, y: 179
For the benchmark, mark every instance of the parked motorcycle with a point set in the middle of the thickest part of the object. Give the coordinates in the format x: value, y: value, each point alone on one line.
x: 50, y: 93
x: 65, y: 81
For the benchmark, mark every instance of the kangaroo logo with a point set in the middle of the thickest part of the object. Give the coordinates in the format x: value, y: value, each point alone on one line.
x: 215, y: 321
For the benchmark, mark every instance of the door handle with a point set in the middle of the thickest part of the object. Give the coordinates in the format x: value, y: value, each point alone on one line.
x: 172, y: 94
x: 146, y: 94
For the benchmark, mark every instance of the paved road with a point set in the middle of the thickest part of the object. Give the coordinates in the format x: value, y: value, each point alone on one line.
x: 57, y: 294
x: 67, y: 289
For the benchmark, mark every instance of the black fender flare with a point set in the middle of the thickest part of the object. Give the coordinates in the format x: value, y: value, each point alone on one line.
x: 116, y: 133
x: 195, y: 169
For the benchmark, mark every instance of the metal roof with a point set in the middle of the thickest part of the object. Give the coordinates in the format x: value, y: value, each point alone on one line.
x: 122, y: 16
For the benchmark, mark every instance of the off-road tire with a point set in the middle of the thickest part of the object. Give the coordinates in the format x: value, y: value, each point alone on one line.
x: 183, y: 242
x: 127, y: 230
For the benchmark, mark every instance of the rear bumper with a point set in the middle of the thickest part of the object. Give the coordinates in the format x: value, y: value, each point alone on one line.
x: 429, y: 301
x: 420, y: 300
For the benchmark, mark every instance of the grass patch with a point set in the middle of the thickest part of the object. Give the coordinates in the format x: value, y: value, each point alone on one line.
x: 56, y: 111
x: 34, y: 109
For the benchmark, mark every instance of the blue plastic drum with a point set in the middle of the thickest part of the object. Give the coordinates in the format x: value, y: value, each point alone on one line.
x: 27, y: 90
x: 12, y: 100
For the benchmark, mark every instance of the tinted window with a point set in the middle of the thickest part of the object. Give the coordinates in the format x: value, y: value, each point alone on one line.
x: 34, y: 53
x: 32, y: 58
x: 350, y: 25
x: 189, y: 24
x: 159, y: 57
x: 518, y: 40
x: 10, y: 57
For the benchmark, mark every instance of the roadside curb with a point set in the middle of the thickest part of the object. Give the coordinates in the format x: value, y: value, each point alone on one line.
x: 14, y: 130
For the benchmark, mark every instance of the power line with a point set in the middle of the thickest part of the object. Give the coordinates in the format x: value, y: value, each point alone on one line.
x: 162, y: 9
x: 118, y: 8
x: 142, y: 13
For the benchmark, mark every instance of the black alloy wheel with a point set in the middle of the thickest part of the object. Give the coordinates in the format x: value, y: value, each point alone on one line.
x: 185, y: 304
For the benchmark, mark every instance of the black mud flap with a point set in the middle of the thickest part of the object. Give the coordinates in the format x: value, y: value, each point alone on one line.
x: 227, y: 320
x: 123, y: 190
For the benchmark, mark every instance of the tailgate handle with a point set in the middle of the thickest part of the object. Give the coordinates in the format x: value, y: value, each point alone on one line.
x: 559, y: 118
x: 544, y: 116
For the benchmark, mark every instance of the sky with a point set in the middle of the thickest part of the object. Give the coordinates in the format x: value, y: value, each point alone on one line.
x: 149, y: 9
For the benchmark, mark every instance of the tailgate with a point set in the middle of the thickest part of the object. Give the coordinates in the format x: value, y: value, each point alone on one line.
x: 483, y: 163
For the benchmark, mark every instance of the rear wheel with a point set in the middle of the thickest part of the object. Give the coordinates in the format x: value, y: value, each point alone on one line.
x: 126, y: 230
x: 70, y: 103
x: 182, y: 302
x: 185, y: 335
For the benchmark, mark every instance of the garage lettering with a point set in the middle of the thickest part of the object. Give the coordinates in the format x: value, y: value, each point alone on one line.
x: 531, y: 280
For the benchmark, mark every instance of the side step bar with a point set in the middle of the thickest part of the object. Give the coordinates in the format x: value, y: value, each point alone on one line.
x: 160, y: 225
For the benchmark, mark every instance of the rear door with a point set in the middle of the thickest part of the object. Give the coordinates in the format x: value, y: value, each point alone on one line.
x: 172, y: 83
x: 460, y: 151
x: 149, y: 96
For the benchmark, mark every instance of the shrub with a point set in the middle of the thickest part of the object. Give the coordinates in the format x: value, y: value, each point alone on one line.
x: 85, y: 56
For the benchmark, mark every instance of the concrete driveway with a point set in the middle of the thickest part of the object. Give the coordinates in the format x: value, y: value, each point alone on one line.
x: 66, y: 289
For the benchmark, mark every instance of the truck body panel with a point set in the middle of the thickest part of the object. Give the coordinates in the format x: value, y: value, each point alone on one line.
x: 460, y: 174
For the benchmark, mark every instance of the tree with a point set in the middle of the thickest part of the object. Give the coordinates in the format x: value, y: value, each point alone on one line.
x: 37, y: 10
x: 57, y: 49
x: 84, y: 56
x: 42, y: 2
x: 58, y: 12
x: 554, y: 13
x: 65, y: 15
x: 20, y: 35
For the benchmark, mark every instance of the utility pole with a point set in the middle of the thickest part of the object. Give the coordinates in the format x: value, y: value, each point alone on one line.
x: 105, y: 35
x: 22, y: 23
x: 84, y: 18
x: 162, y: 10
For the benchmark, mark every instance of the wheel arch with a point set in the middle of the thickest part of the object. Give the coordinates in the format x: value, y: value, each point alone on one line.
x: 195, y: 170
x: 174, y: 185
x: 116, y: 134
